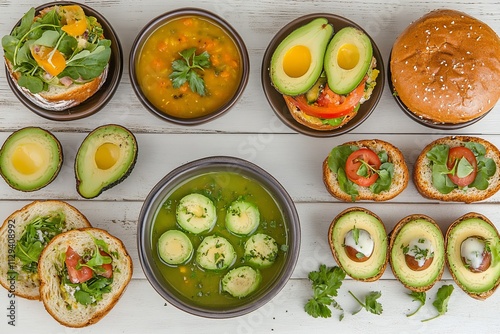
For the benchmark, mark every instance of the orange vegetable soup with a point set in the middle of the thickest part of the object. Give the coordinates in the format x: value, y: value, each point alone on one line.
x: 163, y: 47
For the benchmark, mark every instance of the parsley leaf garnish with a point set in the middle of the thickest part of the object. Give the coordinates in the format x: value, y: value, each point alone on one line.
x: 441, y: 301
x: 418, y: 297
x: 185, y: 70
x: 371, y: 304
x: 325, y: 284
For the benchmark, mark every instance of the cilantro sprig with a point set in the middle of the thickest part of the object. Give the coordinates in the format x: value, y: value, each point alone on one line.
x: 325, y: 284
x: 418, y: 297
x: 185, y: 70
x: 371, y: 304
x: 441, y: 301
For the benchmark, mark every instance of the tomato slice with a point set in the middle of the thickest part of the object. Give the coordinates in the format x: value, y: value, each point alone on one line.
x: 329, y: 105
x: 454, y: 155
x: 76, y: 275
x: 108, y: 267
x: 358, y: 158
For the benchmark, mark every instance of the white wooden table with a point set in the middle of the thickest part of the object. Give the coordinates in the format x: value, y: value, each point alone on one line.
x: 251, y: 131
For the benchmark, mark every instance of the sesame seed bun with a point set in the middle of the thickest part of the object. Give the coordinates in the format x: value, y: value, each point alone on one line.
x: 445, y: 67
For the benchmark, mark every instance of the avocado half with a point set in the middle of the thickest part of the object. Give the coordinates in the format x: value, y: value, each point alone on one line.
x: 347, y: 59
x: 417, y: 227
x: 30, y: 159
x: 362, y: 219
x: 105, y: 158
x: 297, y: 62
x: 478, y: 285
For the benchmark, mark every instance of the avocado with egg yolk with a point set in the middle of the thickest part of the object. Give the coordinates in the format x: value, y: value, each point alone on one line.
x: 297, y: 62
x: 30, y: 159
x: 105, y: 158
x: 479, y: 283
x: 347, y: 59
x: 417, y: 252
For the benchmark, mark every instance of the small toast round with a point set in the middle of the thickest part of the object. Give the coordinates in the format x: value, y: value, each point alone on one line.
x: 399, y: 181
x: 51, y: 262
x: 27, y: 284
x: 422, y: 175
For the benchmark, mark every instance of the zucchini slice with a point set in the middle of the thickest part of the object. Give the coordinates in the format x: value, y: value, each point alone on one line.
x: 242, y: 217
x: 242, y: 281
x: 196, y: 213
x: 215, y: 253
x: 261, y: 250
x: 174, y: 247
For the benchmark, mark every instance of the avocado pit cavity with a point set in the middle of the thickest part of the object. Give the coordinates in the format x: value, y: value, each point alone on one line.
x: 358, y: 245
x: 419, y: 254
x: 475, y: 254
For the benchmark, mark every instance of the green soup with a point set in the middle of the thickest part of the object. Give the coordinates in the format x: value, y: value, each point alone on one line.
x: 203, y: 286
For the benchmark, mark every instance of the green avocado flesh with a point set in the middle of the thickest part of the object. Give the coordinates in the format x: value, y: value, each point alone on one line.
x: 378, y: 259
x: 471, y: 282
x: 105, y: 158
x: 297, y: 62
x: 417, y: 229
x: 30, y: 159
x: 347, y: 59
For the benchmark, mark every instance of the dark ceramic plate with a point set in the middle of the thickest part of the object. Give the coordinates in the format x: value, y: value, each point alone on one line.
x: 426, y: 122
x: 102, y: 96
x: 276, y: 100
x: 159, y: 21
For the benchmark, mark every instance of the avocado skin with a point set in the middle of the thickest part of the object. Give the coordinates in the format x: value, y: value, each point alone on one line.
x: 343, y: 81
x: 315, y: 34
x: 124, y: 175
x: 40, y: 131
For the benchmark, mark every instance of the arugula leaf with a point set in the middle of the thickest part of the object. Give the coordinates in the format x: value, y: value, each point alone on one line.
x: 371, y: 304
x: 418, y: 297
x: 25, y: 25
x: 325, y: 284
x: 184, y: 70
x: 441, y: 301
x: 88, y: 65
x: 34, y: 84
x: 49, y: 38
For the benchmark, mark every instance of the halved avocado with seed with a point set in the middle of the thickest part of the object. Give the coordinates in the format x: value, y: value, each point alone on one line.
x: 30, y: 159
x: 105, y: 158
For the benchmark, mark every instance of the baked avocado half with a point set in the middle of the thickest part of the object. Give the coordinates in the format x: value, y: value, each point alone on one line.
x: 472, y: 248
x: 359, y: 244
x: 30, y: 159
x: 347, y: 59
x: 417, y: 252
x: 297, y: 62
x: 105, y: 158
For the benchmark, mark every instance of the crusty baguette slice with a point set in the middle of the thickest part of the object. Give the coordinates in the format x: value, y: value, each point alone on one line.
x: 27, y: 285
x: 51, y: 262
x: 422, y: 175
x: 399, y: 181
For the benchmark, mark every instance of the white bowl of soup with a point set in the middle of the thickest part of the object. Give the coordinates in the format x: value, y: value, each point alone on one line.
x: 248, y: 227
x: 188, y: 66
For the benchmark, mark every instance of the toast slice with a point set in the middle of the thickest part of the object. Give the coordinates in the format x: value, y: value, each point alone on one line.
x: 14, y: 227
x: 59, y: 298
x: 399, y: 181
x: 422, y: 175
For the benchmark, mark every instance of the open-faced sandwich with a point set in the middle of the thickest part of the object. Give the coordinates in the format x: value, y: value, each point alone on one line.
x: 23, y: 236
x: 324, y: 80
x: 459, y: 169
x: 58, y: 57
x: 83, y: 273
x: 365, y: 170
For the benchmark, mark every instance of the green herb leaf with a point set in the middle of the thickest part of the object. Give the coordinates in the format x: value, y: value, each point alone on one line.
x: 355, y: 235
x: 185, y: 70
x: 441, y: 301
x: 25, y: 25
x: 49, y: 38
x: 418, y: 297
x: 325, y: 284
x: 371, y: 304
x: 88, y: 65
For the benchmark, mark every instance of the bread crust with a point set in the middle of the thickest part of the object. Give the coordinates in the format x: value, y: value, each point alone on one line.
x: 445, y: 67
x: 422, y: 174
x: 50, y: 287
x: 27, y: 286
x: 399, y: 182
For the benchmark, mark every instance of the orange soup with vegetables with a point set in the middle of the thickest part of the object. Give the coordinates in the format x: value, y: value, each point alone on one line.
x: 189, y: 67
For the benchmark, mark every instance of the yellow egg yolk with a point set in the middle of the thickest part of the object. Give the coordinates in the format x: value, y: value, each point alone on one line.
x: 297, y: 61
x: 51, y: 60
x: 29, y: 158
x: 348, y: 56
x: 107, y: 155
x: 76, y: 22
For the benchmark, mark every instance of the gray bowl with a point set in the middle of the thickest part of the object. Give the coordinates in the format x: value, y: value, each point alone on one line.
x: 169, y: 183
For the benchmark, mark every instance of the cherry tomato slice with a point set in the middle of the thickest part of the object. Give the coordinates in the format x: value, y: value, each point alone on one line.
x: 454, y: 155
x: 76, y: 275
x: 108, y: 267
x: 354, y: 162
